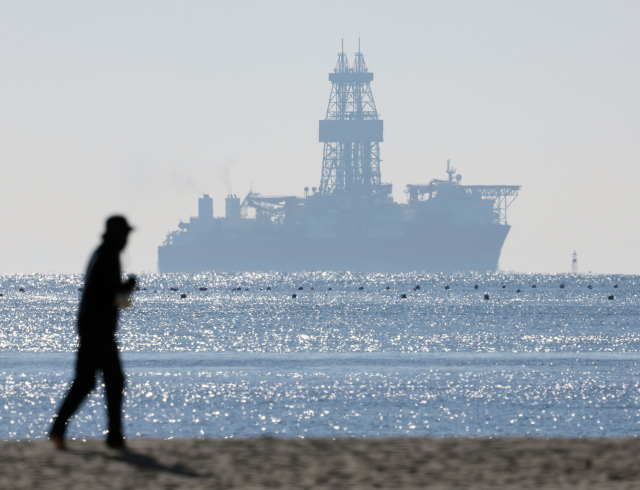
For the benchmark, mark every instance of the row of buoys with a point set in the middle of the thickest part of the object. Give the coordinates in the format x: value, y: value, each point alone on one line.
x: 533, y: 286
x: 486, y: 295
x: 360, y: 288
x: 416, y: 288
x: 402, y: 296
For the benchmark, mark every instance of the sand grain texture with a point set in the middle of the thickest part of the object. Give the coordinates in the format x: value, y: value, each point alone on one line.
x: 385, y: 463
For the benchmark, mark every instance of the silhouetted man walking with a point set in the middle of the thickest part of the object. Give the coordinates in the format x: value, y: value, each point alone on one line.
x: 97, y: 320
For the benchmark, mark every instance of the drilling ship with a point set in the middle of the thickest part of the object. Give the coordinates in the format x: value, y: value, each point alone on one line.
x: 350, y: 222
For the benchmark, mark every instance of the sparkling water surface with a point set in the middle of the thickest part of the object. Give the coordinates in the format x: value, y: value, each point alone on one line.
x: 240, y: 360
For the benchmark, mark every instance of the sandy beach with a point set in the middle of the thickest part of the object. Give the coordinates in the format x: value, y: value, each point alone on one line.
x: 504, y: 463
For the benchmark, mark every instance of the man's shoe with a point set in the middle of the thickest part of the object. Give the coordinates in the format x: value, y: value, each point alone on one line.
x: 116, y: 444
x: 57, y: 441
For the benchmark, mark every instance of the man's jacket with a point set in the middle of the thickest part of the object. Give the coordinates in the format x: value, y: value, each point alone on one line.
x: 98, y: 316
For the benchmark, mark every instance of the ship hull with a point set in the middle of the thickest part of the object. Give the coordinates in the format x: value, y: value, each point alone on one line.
x: 436, y: 248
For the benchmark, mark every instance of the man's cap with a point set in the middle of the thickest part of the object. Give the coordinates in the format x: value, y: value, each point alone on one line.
x: 117, y: 224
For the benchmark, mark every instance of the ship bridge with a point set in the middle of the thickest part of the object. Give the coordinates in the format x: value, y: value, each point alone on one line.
x: 451, y: 191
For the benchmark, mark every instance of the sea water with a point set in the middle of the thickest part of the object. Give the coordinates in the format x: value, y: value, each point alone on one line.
x: 348, y: 357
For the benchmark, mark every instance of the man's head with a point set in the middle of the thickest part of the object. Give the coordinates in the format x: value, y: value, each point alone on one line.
x: 117, y: 231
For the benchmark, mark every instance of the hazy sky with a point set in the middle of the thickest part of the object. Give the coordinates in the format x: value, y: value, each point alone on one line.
x: 138, y: 107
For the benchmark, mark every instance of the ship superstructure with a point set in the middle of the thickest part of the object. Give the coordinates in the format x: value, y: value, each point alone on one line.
x: 350, y: 222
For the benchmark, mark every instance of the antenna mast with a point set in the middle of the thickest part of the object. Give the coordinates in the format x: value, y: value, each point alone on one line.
x: 450, y: 170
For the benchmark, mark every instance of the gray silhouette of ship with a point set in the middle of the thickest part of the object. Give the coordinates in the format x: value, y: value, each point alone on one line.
x: 350, y: 222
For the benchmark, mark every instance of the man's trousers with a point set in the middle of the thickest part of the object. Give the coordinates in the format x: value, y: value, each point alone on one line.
x: 94, y: 356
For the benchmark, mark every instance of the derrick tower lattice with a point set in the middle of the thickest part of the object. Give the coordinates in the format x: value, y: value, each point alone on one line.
x: 351, y: 132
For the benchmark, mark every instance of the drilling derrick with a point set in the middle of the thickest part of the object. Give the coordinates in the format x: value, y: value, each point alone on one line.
x: 351, y: 132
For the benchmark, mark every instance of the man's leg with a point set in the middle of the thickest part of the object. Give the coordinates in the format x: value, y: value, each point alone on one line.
x: 114, y: 385
x: 82, y: 385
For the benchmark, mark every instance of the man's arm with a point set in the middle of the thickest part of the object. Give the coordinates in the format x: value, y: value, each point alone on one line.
x: 122, y: 289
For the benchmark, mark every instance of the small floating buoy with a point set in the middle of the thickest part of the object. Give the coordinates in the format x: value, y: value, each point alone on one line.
x: 21, y: 290
x: 589, y: 286
x: 183, y: 295
x: 388, y: 288
x: 611, y: 296
x: 533, y: 286
x: 294, y: 295
x: 561, y: 286
x: 202, y: 288
x: 475, y: 287
x: 486, y: 296
x: 330, y: 289
x: 300, y: 288
x: 615, y: 286
x: 1, y: 295
x: 269, y: 288
x: 403, y: 296
x: 446, y: 287
x: 503, y: 286
x: 417, y: 287
x: 518, y: 291
x: 360, y: 288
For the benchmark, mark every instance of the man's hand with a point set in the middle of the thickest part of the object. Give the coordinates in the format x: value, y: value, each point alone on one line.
x: 131, y: 282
